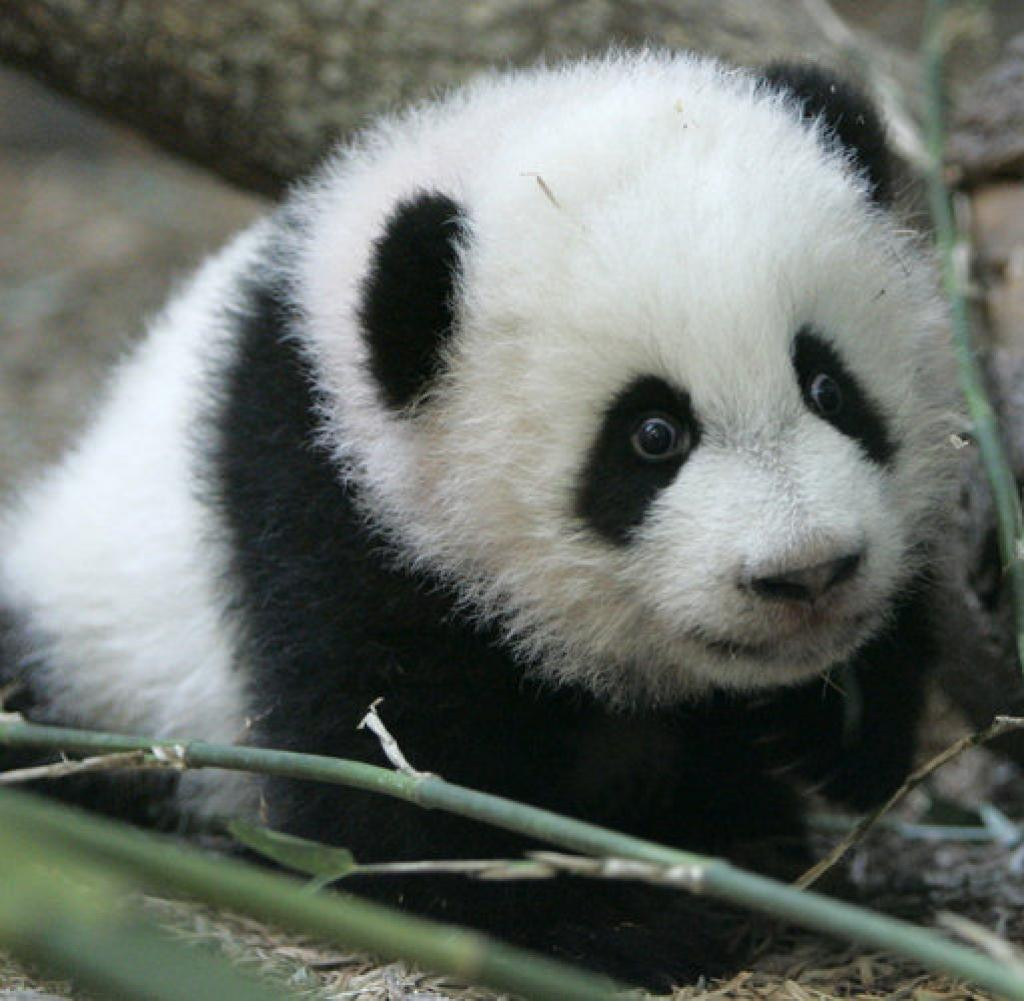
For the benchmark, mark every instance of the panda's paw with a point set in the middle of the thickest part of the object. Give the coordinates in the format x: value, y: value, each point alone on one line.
x: 659, y: 959
x: 657, y: 948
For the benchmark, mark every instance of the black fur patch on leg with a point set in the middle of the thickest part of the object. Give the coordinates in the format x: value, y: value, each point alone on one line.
x: 850, y: 117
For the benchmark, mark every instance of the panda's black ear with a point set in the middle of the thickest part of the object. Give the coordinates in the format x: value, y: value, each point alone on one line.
x: 407, y: 308
x: 849, y: 116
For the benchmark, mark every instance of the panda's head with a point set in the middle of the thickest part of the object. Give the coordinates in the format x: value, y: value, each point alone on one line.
x: 634, y: 356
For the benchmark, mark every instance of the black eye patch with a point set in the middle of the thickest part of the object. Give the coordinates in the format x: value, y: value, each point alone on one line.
x: 838, y: 398
x: 618, y: 483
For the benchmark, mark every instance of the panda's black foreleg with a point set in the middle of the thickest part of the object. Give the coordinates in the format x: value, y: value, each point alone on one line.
x: 640, y: 934
x: 689, y: 778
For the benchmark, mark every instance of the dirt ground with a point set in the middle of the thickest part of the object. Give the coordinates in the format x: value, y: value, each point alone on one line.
x: 95, y: 228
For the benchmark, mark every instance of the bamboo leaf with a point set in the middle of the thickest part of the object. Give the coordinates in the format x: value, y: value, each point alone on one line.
x: 325, y: 862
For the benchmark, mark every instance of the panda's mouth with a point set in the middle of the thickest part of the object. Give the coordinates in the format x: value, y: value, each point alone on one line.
x: 732, y: 649
x: 802, y: 645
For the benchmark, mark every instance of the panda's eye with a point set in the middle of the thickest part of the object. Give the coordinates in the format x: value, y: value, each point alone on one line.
x: 658, y: 437
x: 825, y: 395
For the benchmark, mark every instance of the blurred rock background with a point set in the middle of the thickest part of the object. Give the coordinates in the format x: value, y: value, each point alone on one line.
x: 95, y: 230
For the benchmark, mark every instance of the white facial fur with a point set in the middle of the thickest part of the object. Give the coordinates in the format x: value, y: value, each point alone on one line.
x: 648, y: 215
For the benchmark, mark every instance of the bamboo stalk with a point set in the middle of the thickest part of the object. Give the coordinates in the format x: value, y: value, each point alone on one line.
x: 704, y: 875
x: 1010, y: 523
x: 161, y: 865
x: 70, y: 917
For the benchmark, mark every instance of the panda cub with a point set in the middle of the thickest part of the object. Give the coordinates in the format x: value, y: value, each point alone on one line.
x: 596, y: 417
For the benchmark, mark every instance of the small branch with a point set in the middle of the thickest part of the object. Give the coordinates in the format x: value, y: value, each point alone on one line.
x: 978, y: 935
x: 372, y: 722
x: 544, y: 187
x: 688, y: 876
x: 972, y: 833
x: 496, y: 869
x: 547, y: 865
x: 999, y: 726
x: 133, y: 760
x: 157, y: 758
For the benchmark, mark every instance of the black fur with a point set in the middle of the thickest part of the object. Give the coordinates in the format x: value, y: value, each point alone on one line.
x: 849, y: 115
x: 407, y: 307
x: 332, y: 625
x: 616, y: 485
x: 857, y: 417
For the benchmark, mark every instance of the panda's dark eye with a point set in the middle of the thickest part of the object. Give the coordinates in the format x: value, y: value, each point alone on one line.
x: 825, y: 395
x: 658, y: 437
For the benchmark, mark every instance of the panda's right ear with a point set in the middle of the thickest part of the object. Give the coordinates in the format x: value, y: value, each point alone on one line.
x: 850, y: 119
x: 407, y: 308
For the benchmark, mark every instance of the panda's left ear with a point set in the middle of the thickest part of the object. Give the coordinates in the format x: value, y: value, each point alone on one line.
x: 850, y: 119
x: 407, y: 305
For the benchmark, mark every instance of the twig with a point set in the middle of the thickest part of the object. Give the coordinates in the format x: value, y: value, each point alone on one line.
x: 496, y: 869
x: 688, y: 876
x: 546, y: 865
x: 159, y: 757
x: 978, y: 935
x: 372, y: 722
x: 999, y: 726
x: 717, y: 878
x: 101, y: 763
x: 545, y: 189
x: 972, y: 833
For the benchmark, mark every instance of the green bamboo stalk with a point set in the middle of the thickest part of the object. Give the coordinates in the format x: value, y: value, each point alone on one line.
x: 706, y: 875
x: 63, y: 915
x: 161, y: 865
x: 1010, y: 524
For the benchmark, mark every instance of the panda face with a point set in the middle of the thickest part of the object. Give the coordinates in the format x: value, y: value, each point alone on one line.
x: 766, y: 546
x: 678, y: 419
x: 727, y: 490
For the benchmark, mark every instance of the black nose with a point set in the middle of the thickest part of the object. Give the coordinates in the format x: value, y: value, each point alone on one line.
x: 806, y: 583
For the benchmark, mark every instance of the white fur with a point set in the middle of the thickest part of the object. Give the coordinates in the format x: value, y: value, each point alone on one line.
x: 113, y: 560
x: 687, y: 225
x: 694, y: 226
